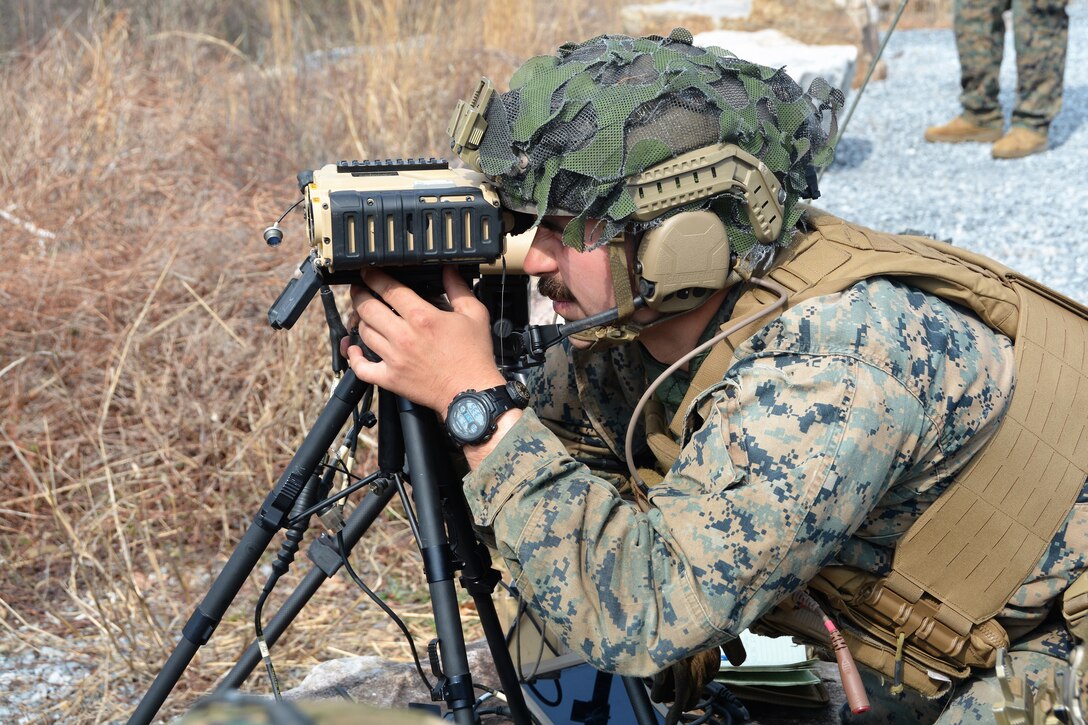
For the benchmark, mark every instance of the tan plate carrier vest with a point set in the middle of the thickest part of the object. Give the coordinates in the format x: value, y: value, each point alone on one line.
x: 932, y: 618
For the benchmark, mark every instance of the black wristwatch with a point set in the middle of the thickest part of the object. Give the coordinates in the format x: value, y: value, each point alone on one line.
x: 472, y: 416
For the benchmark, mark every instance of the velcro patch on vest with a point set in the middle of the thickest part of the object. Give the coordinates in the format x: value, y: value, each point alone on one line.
x: 973, y: 547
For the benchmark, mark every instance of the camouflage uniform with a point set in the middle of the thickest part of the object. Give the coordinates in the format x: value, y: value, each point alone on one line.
x: 1040, y: 33
x: 838, y: 424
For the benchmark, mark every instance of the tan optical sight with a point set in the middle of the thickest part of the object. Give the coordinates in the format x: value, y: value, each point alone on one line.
x: 411, y: 217
x: 400, y: 213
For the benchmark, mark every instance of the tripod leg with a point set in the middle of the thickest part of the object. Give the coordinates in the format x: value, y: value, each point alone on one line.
x: 479, y: 579
x: 421, y: 436
x: 640, y: 701
x: 272, y: 516
x: 327, y: 562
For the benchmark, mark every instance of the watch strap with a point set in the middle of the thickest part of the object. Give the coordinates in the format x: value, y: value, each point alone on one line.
x: 501, y: 399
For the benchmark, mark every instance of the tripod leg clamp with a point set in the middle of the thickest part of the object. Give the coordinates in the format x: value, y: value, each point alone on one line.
x: 457, y: 690
x: 272, y: 515
x: 199, y: 628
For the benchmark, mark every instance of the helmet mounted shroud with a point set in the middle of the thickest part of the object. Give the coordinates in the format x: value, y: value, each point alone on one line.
x: 632, y: 132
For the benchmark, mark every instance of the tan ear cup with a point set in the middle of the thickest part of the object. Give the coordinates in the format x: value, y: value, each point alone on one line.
x: 683, y: 261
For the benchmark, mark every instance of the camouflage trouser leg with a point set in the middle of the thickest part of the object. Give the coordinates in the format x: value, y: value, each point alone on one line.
x: 1041, y: 35
x: 980, y: 42
x: 974, y: 702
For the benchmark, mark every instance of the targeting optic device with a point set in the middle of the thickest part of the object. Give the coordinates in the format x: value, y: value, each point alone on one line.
x: 411, y: 218
x: 408, y: 216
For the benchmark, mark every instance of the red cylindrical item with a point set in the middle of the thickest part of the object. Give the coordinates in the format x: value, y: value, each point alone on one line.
x: 848, y: 671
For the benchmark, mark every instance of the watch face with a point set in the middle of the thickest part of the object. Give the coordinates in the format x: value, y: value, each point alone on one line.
x: 468, y: 419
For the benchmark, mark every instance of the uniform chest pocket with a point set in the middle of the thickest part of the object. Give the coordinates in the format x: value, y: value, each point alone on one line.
x: 712, y: 458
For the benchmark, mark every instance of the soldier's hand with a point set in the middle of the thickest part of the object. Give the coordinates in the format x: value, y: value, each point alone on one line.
x: 683, y: 683
x: 428, y: 355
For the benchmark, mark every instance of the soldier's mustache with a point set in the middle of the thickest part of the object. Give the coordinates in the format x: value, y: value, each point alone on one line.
x: 550, y: 286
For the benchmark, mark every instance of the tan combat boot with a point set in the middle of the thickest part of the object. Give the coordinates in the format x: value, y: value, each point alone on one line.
x: 1019, y: 142
x: 960, y: 129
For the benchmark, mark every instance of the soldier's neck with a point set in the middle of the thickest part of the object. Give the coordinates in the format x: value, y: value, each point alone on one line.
x: 671, y: 340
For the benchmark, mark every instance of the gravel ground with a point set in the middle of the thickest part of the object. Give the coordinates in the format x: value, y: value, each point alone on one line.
x: 32, y: 680
x: 1027, y: 213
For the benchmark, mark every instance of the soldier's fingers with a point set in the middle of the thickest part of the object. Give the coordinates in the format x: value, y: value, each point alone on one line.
x: 358, y: 292
x: 366, y: 370
x: 373, y: 312
x: 375, y: 338
x: 398, y: 296
x: 459, y: 293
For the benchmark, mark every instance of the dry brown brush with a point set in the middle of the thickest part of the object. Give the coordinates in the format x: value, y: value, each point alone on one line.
x: 147, y: 405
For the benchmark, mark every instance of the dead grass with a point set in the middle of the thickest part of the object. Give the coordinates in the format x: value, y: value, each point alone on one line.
x: 821, y: 21
x: 148, y: 406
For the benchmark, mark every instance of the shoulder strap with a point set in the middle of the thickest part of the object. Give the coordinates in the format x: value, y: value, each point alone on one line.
x: 1020, y: 488
x: 835, y: 255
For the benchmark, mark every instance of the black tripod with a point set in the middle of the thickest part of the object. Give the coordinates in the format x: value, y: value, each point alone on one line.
x: 447, y: 542
x: 411, y: 445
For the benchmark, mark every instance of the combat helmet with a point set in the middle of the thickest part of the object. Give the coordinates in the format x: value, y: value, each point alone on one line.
x: 651, y: 133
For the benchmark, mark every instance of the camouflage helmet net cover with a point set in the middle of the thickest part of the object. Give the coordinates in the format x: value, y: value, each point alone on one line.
x: 576, y: 125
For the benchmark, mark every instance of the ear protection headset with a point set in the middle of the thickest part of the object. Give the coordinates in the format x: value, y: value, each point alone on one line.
x: 687, y: 258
